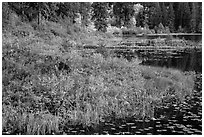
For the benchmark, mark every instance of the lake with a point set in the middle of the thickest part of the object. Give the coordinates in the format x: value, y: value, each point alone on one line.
x: 184, y: 60
x: 187, y: 36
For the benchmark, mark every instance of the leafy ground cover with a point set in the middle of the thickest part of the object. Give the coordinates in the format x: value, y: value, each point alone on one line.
x: 49, y: 82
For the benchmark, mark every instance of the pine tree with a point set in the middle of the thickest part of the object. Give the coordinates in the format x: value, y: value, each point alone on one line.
x: 183, y: 15
x: 123, y: 12
x: 199, y: 20
x: 179, y: 15
x: 186, y: 16
x: 140, y: 19
x: 164, y: 14
x: 158, y: 14
x: 193, y: 17
x: 154, y: 15
x: 170, y: 17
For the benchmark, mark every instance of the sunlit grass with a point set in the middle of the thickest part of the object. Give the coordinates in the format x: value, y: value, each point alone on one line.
x: 17, y: 122
x: 39, y: 98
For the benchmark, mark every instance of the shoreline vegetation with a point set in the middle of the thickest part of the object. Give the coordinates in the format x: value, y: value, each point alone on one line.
x: 142, y: 43
x: 50, y: 82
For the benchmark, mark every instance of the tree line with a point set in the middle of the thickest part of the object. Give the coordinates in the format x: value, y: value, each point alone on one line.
x: 177, y: 16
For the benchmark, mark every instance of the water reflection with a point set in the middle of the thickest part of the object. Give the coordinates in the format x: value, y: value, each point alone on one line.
x: 196, y: 38
x: 184, y: 60
x: 193, y: 37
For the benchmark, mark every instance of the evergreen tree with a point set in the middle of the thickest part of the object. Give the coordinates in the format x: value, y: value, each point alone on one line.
x: 100, y: 15
x: 193, y: 17
x: 158, y: 14
x: 123, y: 12
x: 170, y: 17
x: 31, y: 10
x: 154, y: 15
x: 175, y: 6
x: 151, y: 14
x: 140, y: 19
x: 186, y: 16
x: 68, y: 10
x: 179, y: 15
x: 164, y: 14
x: 183, y: 15
x: 199, y: 19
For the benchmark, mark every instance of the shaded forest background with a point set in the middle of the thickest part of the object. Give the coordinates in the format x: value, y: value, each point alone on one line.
x: 177, y: 17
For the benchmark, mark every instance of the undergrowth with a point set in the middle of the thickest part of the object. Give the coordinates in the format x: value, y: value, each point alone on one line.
x: 49, y: 83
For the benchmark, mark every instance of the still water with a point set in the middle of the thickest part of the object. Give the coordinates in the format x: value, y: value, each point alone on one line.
x: 195, y: 38
x: 191, y: 37
x: 184, y: 60
x: 170, y: 119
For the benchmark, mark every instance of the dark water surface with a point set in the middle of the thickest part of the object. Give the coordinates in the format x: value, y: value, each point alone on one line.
x: 196, y: 38
x: 171, y: 118
x: 184, y: 60
x: 192, y: 37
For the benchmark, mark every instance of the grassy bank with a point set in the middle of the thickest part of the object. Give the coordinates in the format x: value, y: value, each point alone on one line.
x: 49, y: 83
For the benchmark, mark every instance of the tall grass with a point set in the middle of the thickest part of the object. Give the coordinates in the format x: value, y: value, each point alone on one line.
x: 40, y: 98
x: 16, y: 122
x: 168, y: 83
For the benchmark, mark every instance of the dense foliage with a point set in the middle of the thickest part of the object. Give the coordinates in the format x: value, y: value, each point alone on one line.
x: 100, y: 15
x: 181, y: 17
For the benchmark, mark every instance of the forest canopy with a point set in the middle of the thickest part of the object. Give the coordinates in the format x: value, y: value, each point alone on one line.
x: 176, y: 16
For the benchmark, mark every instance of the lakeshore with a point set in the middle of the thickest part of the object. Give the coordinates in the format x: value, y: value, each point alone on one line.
x: 101, y: 68
x: 86, y: 90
